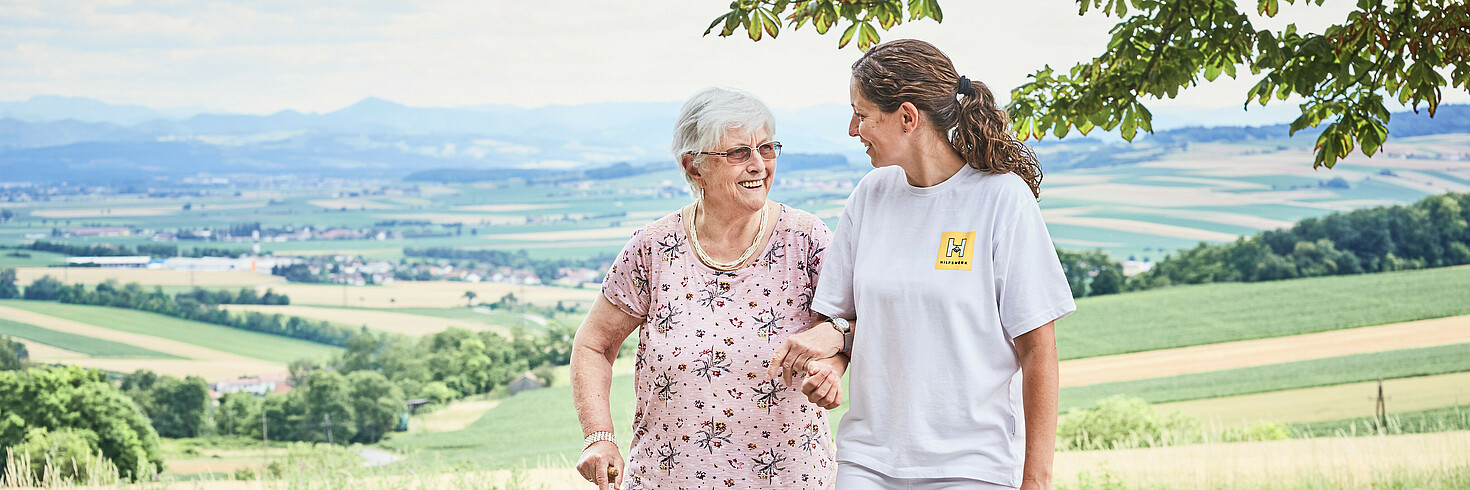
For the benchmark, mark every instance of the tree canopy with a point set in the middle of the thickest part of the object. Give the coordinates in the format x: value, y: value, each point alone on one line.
x: 1384, y: 50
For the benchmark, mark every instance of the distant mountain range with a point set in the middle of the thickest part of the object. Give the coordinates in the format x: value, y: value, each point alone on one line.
x: 51, y: 139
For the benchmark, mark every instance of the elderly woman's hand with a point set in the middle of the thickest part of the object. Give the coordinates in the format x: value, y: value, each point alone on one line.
x: 819, y: 342
x: 600, y: 459
x: 823, y: 384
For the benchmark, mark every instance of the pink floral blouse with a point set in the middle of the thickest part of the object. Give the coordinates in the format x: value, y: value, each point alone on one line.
x: 707, y: 416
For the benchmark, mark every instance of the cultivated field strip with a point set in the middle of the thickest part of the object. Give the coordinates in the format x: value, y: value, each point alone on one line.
x: 174, y: 347
x: 1404, y: 363
x: 1260, y: 352
x: 1331, y: 402
x: 210, y: 370
x: 147, y: 277
x: 82, y: 345
x: 383, y: 321
x: 1354, y: 462
x: 428, y: 294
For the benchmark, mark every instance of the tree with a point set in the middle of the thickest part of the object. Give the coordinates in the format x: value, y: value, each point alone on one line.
x: 469, y: 298
x: 45, y: 288
x: 238, y: 414
x: 377, y: 404
x: 8, y: 289
x: 77, y: 398
x: 12, y: 354
x: 1399, y: 49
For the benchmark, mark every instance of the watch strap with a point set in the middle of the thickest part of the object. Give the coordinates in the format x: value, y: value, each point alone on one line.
x: 597, y: 437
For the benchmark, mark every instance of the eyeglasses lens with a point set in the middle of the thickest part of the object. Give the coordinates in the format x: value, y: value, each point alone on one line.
x: 739, y: 155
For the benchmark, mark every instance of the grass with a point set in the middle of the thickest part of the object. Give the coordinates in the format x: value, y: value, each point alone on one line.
x: 1205, y: 314
x: 1325, y: 403
x: 1456, y: 418
x: 531, y: 428
x: 29, y: 258
x: 78, y: 343
x: 1286, y: 376
x: 245, y: 343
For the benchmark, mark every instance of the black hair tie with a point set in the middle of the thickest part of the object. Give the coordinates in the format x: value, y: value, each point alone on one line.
x: 964, y: 86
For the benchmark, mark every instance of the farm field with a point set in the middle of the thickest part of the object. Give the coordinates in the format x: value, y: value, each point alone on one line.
x: 380, y: 320
x: 147, y: 277
x: 428, y: 294
x: 1331, y: 402
x: 189, y: 339
x: 1225, y: 312
x: 68, y: 345
x: 1250, y: 353
x: 1405, y: 363
x: 1182, y: 195
x: 1327, y: 374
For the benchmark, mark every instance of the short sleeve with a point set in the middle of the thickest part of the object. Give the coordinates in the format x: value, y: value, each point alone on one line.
x: 1030, y: 286
x: 834, y: 296
x: 627, y: 284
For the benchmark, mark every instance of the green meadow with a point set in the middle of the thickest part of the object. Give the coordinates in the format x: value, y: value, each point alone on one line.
x: 1223, y: 312
x: 1403, y: 363
x: 77, y: 343
x: 235, y: 341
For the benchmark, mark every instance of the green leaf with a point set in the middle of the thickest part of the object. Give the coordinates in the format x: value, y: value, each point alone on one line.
x: 847, y: 35
x: 717, y: 21
x: 1212, y: 71
x: 1130, y: 126
x: 868, y: 37
x: 753, y: 25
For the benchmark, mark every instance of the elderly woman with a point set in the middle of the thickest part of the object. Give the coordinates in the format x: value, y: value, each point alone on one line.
x: 714, y: 287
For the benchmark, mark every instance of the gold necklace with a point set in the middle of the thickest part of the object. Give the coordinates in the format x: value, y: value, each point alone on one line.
x: 717, y: 265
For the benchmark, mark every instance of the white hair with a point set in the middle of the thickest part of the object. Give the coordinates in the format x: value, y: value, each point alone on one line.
x: 708, y: 116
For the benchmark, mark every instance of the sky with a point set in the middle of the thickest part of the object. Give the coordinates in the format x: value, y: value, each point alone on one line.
x: 263, y: 56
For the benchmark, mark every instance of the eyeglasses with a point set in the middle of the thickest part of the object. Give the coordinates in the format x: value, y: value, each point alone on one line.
x: 740, y: 154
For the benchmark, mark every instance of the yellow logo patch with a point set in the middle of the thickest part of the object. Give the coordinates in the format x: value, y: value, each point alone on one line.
x: 955, y: 251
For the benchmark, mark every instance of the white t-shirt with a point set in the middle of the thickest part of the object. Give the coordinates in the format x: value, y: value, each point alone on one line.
x: 941, y: 280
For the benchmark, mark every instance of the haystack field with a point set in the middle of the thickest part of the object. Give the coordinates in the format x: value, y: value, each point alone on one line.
x: 383, y: 321
x: 1330, y: 402
x: 1260, y: 352
x: 146, y: 277
x: 428, y: 294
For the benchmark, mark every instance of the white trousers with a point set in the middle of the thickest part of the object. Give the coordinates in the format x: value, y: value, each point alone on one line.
x: 858, y: 477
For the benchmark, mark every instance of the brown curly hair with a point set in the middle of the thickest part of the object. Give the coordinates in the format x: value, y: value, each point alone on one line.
x: 914, y: 71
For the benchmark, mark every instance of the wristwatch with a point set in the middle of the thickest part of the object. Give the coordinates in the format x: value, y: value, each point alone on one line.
x: 841, y: 325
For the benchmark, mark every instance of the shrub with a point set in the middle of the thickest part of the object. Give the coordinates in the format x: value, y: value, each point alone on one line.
x: 1123, y: 422
x: 64, y: 456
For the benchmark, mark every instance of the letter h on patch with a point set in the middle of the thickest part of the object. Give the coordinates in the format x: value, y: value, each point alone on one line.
x: 955, y: 251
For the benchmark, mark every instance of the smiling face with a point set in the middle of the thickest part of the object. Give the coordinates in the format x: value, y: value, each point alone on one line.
x: 738, y: 187
x: 881, y: 132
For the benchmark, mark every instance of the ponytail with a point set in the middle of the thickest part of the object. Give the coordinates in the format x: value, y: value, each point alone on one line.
x: 983, y: 137
x: 909, y: 70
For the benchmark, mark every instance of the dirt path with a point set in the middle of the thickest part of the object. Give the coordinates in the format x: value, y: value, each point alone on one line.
x: 1247, y: 353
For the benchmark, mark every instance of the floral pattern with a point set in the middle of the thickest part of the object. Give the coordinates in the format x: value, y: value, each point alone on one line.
x: 706, y: 414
